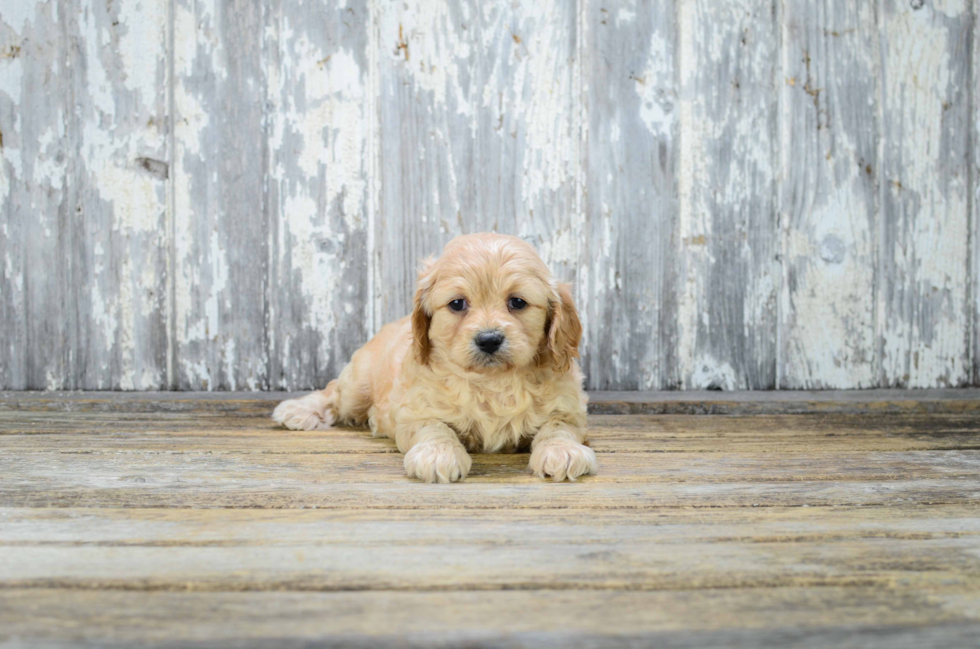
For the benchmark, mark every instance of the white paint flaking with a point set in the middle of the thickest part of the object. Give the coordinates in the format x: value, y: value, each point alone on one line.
x: 470, y: 64
x: 827, y: 321
x: 931, y: 256
x: 11, y: 76
x: 17, y: 15
x: 653, y: 85
x: 711, y: 36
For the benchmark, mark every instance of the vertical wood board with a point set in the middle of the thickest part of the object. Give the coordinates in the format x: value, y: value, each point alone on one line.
x: 36, y: 160
x: 220, y: 224
x: 477, y: 132
x: 828, y: 200
x: 118, y: 247
x: 728, y: 276
x: 320, y: 129
x: 632, y: 207
x: 924, y: 233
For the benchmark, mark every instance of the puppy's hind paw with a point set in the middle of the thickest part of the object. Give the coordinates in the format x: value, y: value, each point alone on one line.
x: 306, y: 413
x: 562, y: 459
x: 438, y: 462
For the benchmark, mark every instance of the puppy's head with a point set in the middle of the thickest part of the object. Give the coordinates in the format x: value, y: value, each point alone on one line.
x: 489, y: 303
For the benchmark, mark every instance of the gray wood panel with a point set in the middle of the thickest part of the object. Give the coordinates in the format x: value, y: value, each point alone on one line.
x: 211, y: 194
x: 221, y: 160
x: 973, y: 280
x: 923, y: 259
x: 118, y: 188
x: 319, y: 188
x: 727, y: 243
x: 828, y: 202
x: 36, y: 158
x: 478, y: 118
x: 632, y: 207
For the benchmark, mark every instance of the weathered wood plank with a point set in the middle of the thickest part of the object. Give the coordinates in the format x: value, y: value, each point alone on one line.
x: 55, y: 431
x: 808, y: 617
x: 828, y: 198
x: 705, y: 402
x: 205, y: 424
x: 287, y: 528
x: 689, y: 402
x: 727, y: 243
x: 36, y: 162
x: 319, y: 189
x: 176, y: 466
x: 454, y: 565
x: 923, y: 260
x: 478, y: 133
x: 974, y: 194
x: 603, y: 441
x: 614, y: 439
x: 478, y: 496
x: 631, y: 194
x: 220, y: 166
x: 119, y: 186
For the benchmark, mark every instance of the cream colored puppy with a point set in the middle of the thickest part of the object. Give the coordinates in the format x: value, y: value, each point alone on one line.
x: 486, y: 362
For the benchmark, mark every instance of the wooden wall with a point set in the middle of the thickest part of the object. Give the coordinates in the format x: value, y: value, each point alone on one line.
x: 229, y: 194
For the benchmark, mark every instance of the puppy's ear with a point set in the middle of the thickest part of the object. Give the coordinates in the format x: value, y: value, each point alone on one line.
x: 421, y: 317
x: 564, y: 330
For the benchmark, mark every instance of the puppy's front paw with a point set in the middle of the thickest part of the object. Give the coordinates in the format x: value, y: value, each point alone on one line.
x: 561, y: 459
x: 438, y: 462
x: 306, y: 413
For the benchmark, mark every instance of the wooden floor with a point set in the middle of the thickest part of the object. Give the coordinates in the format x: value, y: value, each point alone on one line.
x: 793, y: 519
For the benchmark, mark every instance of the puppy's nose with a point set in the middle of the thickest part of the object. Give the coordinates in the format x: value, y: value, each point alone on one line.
x: 489, y: 341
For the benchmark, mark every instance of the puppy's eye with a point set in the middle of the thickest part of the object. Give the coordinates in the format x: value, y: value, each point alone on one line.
x: 458, y: 305
x: 516, y: 303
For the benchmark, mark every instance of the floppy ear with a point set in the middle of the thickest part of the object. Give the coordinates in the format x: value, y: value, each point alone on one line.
x: 421, y: 317
x: 564, y: 330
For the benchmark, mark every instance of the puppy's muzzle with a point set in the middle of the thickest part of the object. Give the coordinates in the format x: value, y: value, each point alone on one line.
x: 489, y: 341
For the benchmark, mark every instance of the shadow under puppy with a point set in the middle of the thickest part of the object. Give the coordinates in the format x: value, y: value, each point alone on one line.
x: 486, y: 362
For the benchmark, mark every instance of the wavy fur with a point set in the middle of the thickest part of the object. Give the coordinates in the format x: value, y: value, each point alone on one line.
x: 424, y: 382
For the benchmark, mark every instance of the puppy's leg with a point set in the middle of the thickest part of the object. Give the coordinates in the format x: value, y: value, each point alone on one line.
x: 557, y: 451
x: 433, y: 453
x: 315, y: 411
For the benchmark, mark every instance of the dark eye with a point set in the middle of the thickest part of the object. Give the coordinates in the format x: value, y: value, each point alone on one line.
x: 458, y: 305
x: 516, y: 303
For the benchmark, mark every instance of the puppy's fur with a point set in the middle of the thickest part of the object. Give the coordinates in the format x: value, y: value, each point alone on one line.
x: 425, y: 381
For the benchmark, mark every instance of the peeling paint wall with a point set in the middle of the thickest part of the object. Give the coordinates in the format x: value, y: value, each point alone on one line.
x: 747, y: 194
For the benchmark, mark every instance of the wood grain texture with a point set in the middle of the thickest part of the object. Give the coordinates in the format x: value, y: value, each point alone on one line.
x: 810, y: 617
x: 149, y: 466
x: 221, y: 239
x: 119, y: 191
x: 688, y: 402
x: 230, y: 528
x: 924, y: 237
x: 629, y: 562
x: 37, y: 210
x: 208, y: 525
x: 199, y: 194
x: 318, y: 67
x: 974, y: 195
x: 477, y: 133
x: 728, y: 275
x: 199, y: 433
x: 829, y: 194
x: 631, y: 192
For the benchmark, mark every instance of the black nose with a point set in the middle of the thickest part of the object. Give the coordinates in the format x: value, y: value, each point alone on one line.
x: 489, y: 341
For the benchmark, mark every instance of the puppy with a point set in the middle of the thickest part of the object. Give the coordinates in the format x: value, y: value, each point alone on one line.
x: 485, y: 363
